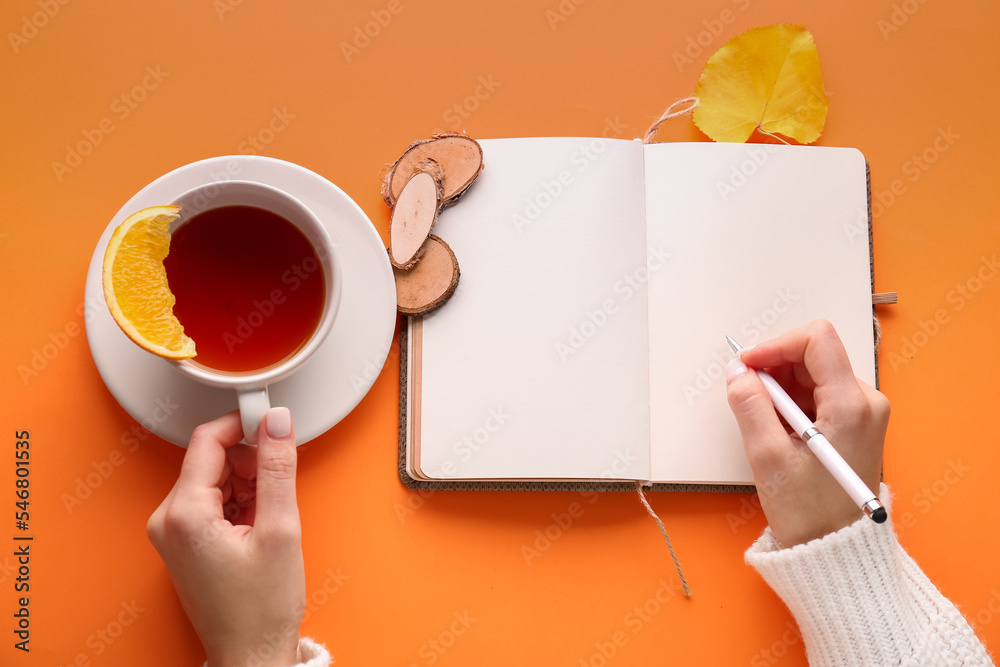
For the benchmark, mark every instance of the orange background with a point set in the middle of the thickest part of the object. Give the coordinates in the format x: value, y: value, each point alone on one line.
x: 228, y: 64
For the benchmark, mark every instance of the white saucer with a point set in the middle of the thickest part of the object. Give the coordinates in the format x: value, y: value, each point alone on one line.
x: 333, y: 381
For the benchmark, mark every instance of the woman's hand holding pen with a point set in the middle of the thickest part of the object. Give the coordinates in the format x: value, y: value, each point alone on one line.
x: 801, y: 499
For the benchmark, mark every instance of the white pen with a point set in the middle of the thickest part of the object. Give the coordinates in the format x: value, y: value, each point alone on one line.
x: 820, y: 446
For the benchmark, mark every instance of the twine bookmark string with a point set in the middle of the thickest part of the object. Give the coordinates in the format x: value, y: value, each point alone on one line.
x: 673, y: 555
x: 692, y: 102
x: 671, y: 112
x: 676, y: 109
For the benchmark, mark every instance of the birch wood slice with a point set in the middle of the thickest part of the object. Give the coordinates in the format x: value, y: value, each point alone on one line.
x: 430, y: 282
x: 460, y: 157
x: 413, y: 217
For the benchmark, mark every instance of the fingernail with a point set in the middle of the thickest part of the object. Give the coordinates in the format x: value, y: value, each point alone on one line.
x: 278, y: 422
x: 747, y: 349
x: 734, y: 369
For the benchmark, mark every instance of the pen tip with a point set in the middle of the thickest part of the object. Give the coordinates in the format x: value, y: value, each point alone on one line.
x: 733, y: 344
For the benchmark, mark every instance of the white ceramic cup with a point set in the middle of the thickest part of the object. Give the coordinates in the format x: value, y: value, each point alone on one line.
x: 251, y: 386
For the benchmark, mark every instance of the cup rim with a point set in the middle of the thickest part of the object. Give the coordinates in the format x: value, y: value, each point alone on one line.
x: 331, y: 265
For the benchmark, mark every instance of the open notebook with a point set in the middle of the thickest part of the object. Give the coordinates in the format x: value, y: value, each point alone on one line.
x: 599, y: 278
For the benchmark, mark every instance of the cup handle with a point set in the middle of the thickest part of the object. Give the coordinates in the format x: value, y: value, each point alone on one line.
x: 254, y: 402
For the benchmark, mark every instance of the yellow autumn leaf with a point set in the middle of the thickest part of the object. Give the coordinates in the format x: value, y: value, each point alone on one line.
x: 767, y: 78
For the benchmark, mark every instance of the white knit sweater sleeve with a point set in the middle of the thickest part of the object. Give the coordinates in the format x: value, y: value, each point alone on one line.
x: 859, y: 599
x: 312, y: 654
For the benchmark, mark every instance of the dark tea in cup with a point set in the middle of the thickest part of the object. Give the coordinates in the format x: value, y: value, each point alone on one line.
x: 257, y: 284
x: 249, y: 285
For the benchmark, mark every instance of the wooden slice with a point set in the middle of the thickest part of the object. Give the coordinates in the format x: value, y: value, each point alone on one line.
x: 415, y: 213
x: 430, y: 282
x: 460, y: 157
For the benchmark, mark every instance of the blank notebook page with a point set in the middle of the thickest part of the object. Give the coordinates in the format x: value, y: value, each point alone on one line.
x: 760, y: 239
x: 543, y: 238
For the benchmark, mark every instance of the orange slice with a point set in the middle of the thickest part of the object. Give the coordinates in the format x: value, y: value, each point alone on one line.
x: 135, y: 283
